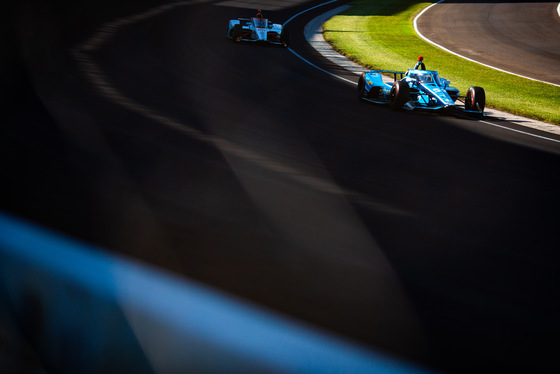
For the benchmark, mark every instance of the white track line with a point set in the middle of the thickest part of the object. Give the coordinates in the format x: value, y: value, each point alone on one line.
x: 307, y: 10
x: 318, y: 68
x: 466, y: 58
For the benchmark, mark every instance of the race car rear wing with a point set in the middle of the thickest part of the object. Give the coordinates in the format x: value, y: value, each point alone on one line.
x: 394, y: 73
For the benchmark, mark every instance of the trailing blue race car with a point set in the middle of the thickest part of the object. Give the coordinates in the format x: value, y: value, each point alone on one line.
x: 258, y: 29
x: 418, y: 89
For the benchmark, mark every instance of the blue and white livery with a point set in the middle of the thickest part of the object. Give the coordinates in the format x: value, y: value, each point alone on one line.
x: 418, y: 89
x: 257, y: 29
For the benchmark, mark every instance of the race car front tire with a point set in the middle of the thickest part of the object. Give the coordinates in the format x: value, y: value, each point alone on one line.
x: 400, y: 95
x: 285, y: 37
x: 236, y: 33
x: 361, y: 86
x: 476, y: 99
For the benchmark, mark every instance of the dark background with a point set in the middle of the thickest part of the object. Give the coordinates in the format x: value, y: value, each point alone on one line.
x: 429, y: 237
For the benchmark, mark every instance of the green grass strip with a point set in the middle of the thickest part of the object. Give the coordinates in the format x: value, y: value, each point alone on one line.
x: 379, y: 34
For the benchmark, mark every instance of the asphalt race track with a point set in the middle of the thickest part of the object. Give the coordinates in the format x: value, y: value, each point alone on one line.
x: 521, y: 37
x: 428, y: 237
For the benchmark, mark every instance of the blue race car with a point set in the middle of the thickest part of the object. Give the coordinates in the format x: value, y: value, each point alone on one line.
x: 418, y: 89
x: 257, y: 29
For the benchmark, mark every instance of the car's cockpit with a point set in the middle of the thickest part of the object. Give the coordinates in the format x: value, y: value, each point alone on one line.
x: 260, y: 22
x: 423, y: 76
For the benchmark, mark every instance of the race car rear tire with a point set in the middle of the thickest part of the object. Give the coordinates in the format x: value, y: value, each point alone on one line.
x: 476, y: 99
x: 285, y: 37
x: 400, y: 95
x: 362, y: 87
x: 236, y: 33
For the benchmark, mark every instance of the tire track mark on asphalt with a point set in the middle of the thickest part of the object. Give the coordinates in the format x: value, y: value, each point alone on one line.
x: 83, y: 54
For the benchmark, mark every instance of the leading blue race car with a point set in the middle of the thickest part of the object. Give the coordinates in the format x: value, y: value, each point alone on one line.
x: 418, y: 89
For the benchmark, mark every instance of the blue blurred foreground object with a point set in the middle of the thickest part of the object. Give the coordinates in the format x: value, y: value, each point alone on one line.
x: 84, y: 311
